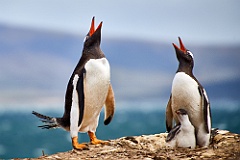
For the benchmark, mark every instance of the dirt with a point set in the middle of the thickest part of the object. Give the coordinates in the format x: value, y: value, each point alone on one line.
x: 225, y: 145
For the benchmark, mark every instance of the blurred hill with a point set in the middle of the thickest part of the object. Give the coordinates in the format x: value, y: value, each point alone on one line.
x: 35, y: 66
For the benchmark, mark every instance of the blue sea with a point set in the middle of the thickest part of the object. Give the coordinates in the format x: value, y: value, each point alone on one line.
x: 21, y: 138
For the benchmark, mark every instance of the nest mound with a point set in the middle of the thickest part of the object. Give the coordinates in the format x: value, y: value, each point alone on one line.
x: 225, y: 145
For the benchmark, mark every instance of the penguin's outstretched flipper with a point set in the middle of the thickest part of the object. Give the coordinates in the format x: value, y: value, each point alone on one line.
x: 173, y: 133
x: 169, y: 115
x: 206, y: 109
x: 109, y: 106
x: 50, y: 122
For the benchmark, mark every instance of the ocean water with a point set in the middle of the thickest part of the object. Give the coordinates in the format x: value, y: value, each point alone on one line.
x: 21, y: 138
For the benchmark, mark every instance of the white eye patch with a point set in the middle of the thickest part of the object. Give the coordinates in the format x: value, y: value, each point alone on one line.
x: 84, y: 39
x: 190, y: 53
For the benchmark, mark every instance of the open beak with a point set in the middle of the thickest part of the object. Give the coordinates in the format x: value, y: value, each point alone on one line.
x: 92, y: 28
x: 182, y: 47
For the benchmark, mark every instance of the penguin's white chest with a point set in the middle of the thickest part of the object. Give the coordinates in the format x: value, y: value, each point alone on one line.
x: 185, y: 95
x: 96, y: 83
x: 185, y: 138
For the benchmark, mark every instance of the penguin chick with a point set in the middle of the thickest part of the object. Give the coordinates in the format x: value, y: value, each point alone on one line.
x: 189, y: 94
x: 88, y: 89
x: 183, y: 134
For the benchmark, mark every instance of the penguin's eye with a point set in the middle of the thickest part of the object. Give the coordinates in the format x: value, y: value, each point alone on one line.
x: 190, y: 53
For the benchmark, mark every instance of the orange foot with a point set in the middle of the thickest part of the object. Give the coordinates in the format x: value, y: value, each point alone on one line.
x: 94, y: 140
x: 78, y: 146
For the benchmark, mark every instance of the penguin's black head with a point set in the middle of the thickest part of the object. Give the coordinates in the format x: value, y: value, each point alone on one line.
x: 182, y: 115
x: 184, y: 56
x: 181, y: 112
x: 94, y: 36
x: 91, y: 47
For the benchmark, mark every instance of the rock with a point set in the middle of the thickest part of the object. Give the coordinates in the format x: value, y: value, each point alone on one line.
x: 225, y: 145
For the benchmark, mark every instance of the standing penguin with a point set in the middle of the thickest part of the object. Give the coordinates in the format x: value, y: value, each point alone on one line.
x: 88, y: 89
x: 188, y: 94
x: 183, y: 134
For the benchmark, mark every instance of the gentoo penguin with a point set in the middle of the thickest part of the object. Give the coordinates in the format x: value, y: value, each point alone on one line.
x: 183, y: 134
x: 88, y: 89
x: 187, y: 93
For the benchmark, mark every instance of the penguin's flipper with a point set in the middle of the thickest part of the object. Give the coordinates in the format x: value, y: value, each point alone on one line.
x: 169, y: 115
x: 173, y: 133
x: 206, y: 109
x: 80, y: 91
x: 109, y: 106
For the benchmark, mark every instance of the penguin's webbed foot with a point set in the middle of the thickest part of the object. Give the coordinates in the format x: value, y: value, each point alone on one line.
x: 94, y: 140
x: 78, y: 146
x: 97, y: 141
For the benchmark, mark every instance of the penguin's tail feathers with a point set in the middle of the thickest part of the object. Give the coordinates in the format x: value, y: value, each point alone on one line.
x: 50, y: 122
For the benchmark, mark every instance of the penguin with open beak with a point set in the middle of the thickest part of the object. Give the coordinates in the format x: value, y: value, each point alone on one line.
x: 88, y: 90
x: 183, y: 134
x: 189, y: 94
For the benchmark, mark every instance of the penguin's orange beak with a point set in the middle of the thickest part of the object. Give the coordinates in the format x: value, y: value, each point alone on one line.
x: 182, y: 47
x: 92, y: 28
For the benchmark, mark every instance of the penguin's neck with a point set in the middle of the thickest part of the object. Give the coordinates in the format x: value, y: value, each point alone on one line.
x: 184, y: 121
x: 186, y: 68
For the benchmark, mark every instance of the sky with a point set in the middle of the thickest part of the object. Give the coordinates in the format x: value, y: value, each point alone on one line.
x: 201, y: 22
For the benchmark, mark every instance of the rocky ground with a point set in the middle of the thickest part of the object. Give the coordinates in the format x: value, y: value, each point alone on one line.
x: 225, y: 145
